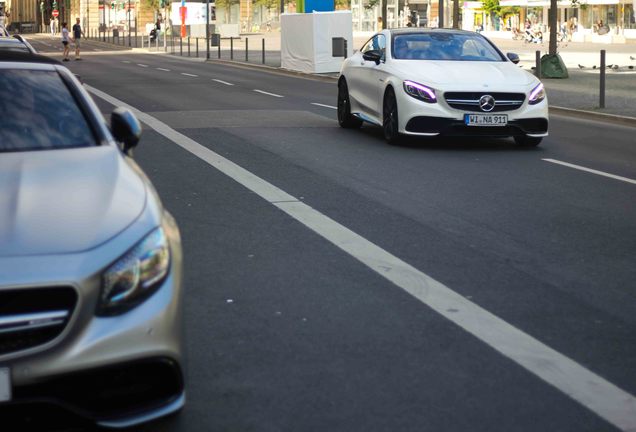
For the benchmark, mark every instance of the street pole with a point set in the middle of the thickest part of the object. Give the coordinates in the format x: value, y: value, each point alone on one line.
x: 440, y: 20
x: 165, y: 27
x: 207, y: 29
x: 129, y: 44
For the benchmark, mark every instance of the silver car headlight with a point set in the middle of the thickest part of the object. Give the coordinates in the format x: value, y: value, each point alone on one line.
x: 537, y: 94
x: 136, y: 275
x: 420, y: 91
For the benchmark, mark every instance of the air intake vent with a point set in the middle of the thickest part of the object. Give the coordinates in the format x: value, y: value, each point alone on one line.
x: 33, y: 316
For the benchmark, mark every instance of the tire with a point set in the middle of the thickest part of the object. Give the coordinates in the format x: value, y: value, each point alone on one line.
x: 345, y: 119
x: 390, y: 119
x: 526, y: 141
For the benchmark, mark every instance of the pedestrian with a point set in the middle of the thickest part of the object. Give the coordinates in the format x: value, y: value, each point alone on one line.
x: 65, y: 40
x: 77, y: 36
x: 53, y: 29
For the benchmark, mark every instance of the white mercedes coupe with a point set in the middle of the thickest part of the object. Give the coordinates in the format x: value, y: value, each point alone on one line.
x: 441, y: 82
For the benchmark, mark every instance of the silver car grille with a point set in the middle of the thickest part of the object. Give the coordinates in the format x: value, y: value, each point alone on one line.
x: 30, y: 317
x: 469, y: 101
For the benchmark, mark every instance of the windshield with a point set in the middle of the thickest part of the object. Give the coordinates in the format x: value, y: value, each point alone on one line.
x: 444, y: 46
x: 38, y: 112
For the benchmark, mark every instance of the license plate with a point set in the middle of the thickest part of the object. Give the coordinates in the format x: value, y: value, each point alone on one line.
x: 485, y: 119
x: 5, y: 385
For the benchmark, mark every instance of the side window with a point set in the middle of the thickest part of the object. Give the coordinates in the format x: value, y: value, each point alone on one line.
x: 377, y: 42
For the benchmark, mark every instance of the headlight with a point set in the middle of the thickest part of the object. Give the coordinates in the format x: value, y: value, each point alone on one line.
x: 537, y: 95
x: 135, y: 276
x: 419, y: 91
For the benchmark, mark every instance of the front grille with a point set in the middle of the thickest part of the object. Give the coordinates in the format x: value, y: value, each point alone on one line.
x: 33, y: 316
x: 469, y: 101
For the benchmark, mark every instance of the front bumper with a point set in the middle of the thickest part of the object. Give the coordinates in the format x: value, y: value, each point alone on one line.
x: 116, y: 371
x: 433, y: 119
x: 120, y: 395
x: 421, y: 125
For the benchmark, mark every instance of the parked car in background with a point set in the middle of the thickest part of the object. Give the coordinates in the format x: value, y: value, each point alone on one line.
x: 441, y: 82
x: 90, y: 261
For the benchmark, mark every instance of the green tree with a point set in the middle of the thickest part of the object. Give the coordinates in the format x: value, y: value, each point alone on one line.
x: 492, y: 8
x: 151, y: 4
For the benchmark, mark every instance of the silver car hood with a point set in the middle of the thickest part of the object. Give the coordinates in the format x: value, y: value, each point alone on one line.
x: 464, y: 74
x: 65, y: 201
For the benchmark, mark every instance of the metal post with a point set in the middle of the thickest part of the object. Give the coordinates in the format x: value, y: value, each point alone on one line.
x: 181, y: 46
x: 246, y: 49
x: 197, y: 39
x: 346, y: 50
x: 129, y: 43
x: 207, y: 29
x: 537, y: 67
x: 231, y: 48
x: 219, y: 47
x: 601, y: 102
x: 440, y: 21
x: 188, y: 46
x: 263, y: 50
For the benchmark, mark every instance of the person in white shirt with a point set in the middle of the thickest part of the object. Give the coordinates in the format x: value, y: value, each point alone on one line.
x: 65, y: 41
x: 53, y: 26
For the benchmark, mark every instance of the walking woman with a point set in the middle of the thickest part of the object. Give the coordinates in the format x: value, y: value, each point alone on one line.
x: 65, y: 41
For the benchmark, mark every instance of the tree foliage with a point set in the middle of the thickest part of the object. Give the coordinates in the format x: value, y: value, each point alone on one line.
x: 151, y: 4
x: 491, y: 7
x: 268, y: 4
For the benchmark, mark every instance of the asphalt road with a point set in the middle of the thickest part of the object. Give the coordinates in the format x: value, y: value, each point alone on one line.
x: 288, y: 332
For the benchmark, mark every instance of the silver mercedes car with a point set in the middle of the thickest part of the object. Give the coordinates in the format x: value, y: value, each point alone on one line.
x: 90, y: 261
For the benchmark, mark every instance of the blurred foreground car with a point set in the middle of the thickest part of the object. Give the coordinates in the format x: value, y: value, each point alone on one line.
x: 431, y: 82
x: 90, y: 261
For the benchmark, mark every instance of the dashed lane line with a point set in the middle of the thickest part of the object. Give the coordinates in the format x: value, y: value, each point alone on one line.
x: 268, y: 93
x: 142, y: 65
x: 126, y: 61
x: 590, y: 170
x: 584, y: 386
x: 163, y: 69
x: 222, y: 82
x: 188, y: 74
x: 323, y: 105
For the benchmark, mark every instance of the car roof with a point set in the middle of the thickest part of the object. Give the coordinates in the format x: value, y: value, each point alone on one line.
x: 427, y: 30
x: 25, y: 57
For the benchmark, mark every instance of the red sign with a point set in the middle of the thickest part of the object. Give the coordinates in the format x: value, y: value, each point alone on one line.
x: 55, y: 13
x: 101, y: 6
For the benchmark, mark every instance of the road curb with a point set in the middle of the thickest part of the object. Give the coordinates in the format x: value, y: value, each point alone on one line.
x: 592, y: 115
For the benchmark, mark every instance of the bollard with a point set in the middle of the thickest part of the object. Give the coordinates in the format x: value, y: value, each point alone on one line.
x: 219, y: 48
x: 246, y: 49
x: 537, y: 67
x: 188, y: 46
x: 601, y: 102
x: 181, y: 46
x: 231, y: 48
x: 263, y: 50
x: 197, y: 39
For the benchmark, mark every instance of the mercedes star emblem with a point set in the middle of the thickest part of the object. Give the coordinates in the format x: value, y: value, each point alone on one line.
x: 487, y: 103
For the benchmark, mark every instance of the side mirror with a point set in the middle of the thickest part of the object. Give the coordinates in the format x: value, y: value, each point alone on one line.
x: 125, y: 127
x: 513, y: 57
x: 373, y: 55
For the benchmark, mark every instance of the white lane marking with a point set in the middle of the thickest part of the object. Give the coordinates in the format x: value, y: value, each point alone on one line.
x: 323, y: 105
x: 590, y: 170
x: 268, y: 93
x: 125, y: 61
x: 163, y: 69
x: 187, y: 74
x: 222, y: 82
x: 95, y: 49
x: 142, y: 65
x: 592, y: 391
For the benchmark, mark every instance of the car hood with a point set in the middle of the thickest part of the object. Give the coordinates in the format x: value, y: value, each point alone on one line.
x: 463, y: 73
x: 65, y: 201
